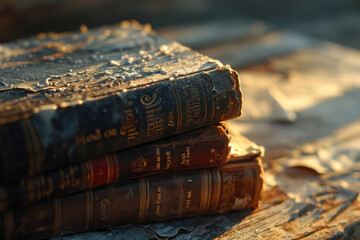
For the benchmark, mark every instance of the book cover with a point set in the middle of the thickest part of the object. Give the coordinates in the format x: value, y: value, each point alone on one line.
x: 73, y: 96
x: 200, y: 148
x: 235, y: 186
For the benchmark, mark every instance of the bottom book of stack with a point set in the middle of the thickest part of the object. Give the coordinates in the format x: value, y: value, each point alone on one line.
x: 236, y: 185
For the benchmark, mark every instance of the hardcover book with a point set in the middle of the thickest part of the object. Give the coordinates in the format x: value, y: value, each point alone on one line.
x: 235, y: 186
x: 200, y: 148
x: 73, y: 96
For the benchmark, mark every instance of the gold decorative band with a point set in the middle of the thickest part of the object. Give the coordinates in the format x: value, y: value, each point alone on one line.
x: 144, y: 198
x: 9, y: 225
x: 57, y: 216
x: 205, y: 191
x: 178, y: 107
x: 110, y: 167
x: 89, y: 203
x: 113, y: 167
x: 216, y: 189
x: 89, y: 174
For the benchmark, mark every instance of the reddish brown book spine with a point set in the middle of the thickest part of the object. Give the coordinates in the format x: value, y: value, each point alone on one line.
x: 234, y: 186
x: 206, y: 147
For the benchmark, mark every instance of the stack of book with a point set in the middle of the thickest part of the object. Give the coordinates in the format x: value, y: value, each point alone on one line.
x: 115, y: 126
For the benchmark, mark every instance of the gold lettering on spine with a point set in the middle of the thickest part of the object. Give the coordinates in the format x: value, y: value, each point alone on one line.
x: 185, y: 157
x: 188, y: 199
x: 168, y: 159
x: 89, y: 208
x: 9, y: 225
x: 149, y: 102
x: 158, y: 200
x: 158, y: 159
x: 103, y: 206
x: 57, y: 217
x: 205, y: 191
x: 144, y: 199
x: 91, y: 137
x: 192, y: 105
x: 128, y: 127
x: 154, y: 120
x: 171, y: 121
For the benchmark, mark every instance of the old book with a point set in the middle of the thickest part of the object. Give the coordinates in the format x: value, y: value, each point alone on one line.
x: 73, y: 96
x: 200, y: 148
x: 235, y: 186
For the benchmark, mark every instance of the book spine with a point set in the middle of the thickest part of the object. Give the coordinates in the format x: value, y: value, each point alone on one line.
x: 205, y: 147
x: 70, y: 134
x: 154, y: 198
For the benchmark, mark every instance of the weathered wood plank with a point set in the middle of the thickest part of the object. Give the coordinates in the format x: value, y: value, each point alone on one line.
x: 260, y: 48
x: 213, y: 33
x: 321, y: 86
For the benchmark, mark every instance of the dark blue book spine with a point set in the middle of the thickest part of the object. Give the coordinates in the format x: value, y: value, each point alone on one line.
x: 67, y: 134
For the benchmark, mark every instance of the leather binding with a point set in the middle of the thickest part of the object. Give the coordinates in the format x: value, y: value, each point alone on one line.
x: 235, y: 186
x: 68, y: 97
x: 200, y: 148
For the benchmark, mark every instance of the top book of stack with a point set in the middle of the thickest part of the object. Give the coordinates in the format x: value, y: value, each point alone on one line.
x: 72, y: 96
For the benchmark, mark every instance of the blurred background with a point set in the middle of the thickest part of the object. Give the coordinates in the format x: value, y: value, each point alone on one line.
x: 291, y: 55
x: 334, y: 20
x: 299, y: 67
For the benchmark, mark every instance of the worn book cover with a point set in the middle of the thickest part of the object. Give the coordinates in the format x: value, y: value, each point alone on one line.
x: 73, y: 96
x: 236, y: 185
x: 200, y: 148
